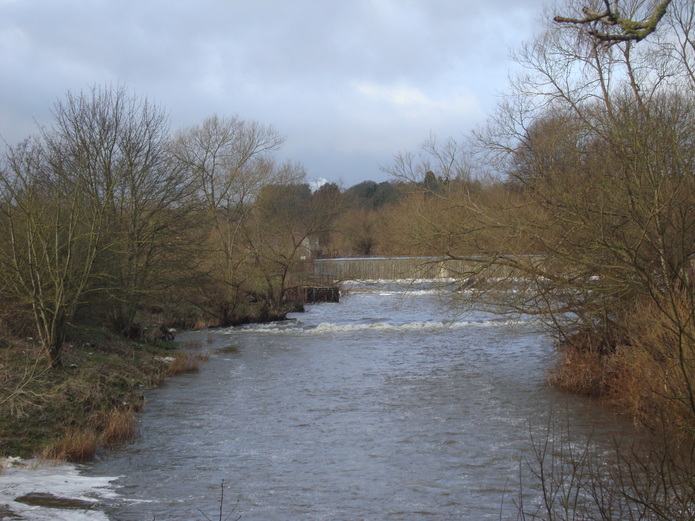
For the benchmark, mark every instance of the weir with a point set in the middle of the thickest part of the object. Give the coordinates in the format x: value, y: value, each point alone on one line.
x: 392, y: 268
x: 319, y: 280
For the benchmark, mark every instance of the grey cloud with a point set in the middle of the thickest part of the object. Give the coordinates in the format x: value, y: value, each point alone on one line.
x: 321, y: 72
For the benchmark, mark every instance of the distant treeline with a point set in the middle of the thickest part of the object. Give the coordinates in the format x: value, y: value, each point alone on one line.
x: 108, y: 218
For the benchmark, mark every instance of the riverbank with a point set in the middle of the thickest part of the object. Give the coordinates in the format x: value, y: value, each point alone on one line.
x: 648, y: 374
x: 89, y: 402
x: 68, y: 413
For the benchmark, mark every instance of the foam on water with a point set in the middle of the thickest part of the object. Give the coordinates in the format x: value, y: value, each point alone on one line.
x: 284, y: 328
x: 403, y: 283
x: 51, y: 492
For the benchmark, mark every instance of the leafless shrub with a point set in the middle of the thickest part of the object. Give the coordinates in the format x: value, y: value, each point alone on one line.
x: 220, y: 516
x: 650, y: 479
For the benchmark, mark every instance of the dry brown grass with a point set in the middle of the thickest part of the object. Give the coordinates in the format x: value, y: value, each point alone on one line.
x: 651, y: 376
x: 75, y: 445
x: 119, y: 427
x: 155, y: 379
x: 187, y: 360
x: 182, y: 363
x: 580, y: 372
x: 655, y: 375
x: 103, y: 373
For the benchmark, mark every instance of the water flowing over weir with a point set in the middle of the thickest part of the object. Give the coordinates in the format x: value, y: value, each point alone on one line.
x: 391, y: 268
x: 386, y: 406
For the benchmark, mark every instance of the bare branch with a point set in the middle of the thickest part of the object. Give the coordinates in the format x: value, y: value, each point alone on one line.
x: 601, y: 24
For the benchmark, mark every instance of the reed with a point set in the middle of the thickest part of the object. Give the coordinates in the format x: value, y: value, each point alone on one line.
x: 650, y: 375
x: 187, y: 360
x: 76, y: 445
x: 119, y: 427
x: 654, y: 375
x: 581, y: 371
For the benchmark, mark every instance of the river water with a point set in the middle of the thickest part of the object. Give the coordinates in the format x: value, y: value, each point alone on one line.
x: 385, y: 406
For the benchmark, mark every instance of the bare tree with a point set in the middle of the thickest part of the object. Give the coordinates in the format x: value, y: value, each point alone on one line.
x: 230, y: 161
x: 597, y: 139
x: 122, y: 143
x: 92, y: 205
x: 52, y: 238
x: 592, y: 217
x: 283, y: 232
x: 442, y: 162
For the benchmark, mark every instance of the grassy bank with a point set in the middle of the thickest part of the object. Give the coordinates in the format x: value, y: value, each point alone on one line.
x: 70, y: 412
x: 89, y: 402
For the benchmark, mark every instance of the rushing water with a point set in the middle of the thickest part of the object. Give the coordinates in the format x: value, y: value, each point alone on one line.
x: 382, y: 407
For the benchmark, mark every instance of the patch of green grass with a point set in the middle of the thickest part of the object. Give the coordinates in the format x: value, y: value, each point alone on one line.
x: 169, y: 345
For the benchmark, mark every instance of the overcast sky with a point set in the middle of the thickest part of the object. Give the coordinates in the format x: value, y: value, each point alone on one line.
x: 349, y: 82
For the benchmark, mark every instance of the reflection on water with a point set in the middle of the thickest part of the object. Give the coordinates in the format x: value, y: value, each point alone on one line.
x: 379, y: 407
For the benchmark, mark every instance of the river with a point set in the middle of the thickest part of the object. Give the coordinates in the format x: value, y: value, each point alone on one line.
x: 385, y: 406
